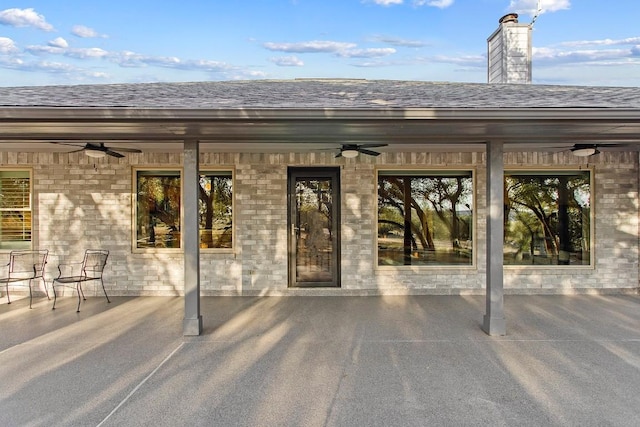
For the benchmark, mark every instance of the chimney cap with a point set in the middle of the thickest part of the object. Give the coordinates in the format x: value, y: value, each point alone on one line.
x: 509, y: 17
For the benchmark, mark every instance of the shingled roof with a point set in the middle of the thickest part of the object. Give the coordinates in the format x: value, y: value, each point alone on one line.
x: 318, y: 94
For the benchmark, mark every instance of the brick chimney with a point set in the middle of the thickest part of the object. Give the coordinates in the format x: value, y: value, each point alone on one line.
x: 509, y: 52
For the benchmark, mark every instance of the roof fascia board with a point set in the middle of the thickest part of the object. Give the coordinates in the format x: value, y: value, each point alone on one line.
x: 144, y: 114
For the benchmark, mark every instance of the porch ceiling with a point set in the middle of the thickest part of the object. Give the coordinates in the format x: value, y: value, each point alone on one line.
x: 298, y: 130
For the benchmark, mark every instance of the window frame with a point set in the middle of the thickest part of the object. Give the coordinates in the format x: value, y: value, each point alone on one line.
x: 519, y: 170
x: 30, y: 209
x: 426, y: 171
x: 203, y: 170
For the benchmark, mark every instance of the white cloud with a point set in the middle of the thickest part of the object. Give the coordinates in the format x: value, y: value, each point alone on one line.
x: 530, y: 7
x: 57, y: 67
x: 24, y: 18
x: 7, y: 45
x: 204, y: 65
x: 63, y: 71
x: 345, y: 50
x: 367, y: 53
x: 45, y: 66
x: 374, y: 64
x: 547, y: 56
x: 85, y: 32
x: 86, y: 53
x: 253, y: 74
x: 98, y: 74
x: 461, y: 60
x: 315, y: 46
x: 386, y: 2
x: 604, y: 42
x: 395, y: 41
x: 134, y: 60
x: 45, y: 50
x: 59, y: 42
x: 59, y: 46
x: 125, y: 59
x: 442, y: 4
x: 10, y: 62
x: 435, y: 3
x: 287, y: 61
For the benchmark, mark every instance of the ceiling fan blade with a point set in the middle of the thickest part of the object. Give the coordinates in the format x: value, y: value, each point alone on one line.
x: 368, y: 152
x: 112, y: 153
x: 125, y: 150
x: 79, y: 147
x: 604, y: 145
x: 70, y: 144
x: 372, y: 145
x: 612, y: 145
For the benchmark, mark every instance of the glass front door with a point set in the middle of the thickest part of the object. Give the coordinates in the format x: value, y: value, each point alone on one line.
x: 313, y: 224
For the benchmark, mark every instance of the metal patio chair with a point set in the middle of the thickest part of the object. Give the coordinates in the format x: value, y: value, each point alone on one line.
x: 72, y: 275
x: 25, y: 266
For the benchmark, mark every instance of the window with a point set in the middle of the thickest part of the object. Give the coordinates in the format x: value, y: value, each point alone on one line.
x: 425, y: 218
x: 15, y: 210
x: 216, y: 209
x: 158, y: 213
x: 158, y: 209
x: 547, y: 218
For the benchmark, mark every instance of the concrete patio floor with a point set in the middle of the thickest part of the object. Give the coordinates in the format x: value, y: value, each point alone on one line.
x: 321, y: 361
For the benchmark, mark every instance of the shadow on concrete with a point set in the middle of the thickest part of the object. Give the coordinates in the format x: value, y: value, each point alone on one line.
x: 385, y: 360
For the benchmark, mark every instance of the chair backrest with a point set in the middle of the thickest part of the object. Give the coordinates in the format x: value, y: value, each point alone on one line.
x: 94, y: 261
x: 27, y: 264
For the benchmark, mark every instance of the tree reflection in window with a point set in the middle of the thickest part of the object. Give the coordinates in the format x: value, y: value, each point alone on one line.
x: 547, y: 218
x: 158, y: 209
x: 425, y: 218
x: 216, y: 204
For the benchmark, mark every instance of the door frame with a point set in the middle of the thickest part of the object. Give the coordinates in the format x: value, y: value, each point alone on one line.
x: 329, y: 172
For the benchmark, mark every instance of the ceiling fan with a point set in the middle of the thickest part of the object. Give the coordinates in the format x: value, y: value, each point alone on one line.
x: 352, y: 150
x: 100, y: 150
x: 587, y: 150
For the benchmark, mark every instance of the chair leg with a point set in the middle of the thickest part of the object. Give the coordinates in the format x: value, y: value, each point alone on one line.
x: 79, y: 291
x: 8, y: 299
x: 55, y: 296
x: 30, y: 294
x: 105, y: 291
x: 46, y: 290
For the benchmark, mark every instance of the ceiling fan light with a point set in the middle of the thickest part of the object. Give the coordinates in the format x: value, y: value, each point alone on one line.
x: 95, y: 154
x: 584, y: 152
x: 349, y: 153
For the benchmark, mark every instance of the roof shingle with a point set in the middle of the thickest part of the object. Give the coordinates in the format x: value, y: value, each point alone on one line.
x: 319, y: 94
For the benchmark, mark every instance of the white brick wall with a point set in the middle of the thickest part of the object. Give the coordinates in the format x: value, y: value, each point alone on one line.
x: 79, y: 205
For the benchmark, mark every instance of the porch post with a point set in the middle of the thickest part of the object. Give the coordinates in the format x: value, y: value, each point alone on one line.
x: 494, y: 321
x: 192, y: 324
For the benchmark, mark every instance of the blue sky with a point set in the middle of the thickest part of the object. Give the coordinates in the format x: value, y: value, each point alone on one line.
x: 582, y: 42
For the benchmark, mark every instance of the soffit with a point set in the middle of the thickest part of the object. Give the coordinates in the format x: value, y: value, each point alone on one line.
x: 310, y: 130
